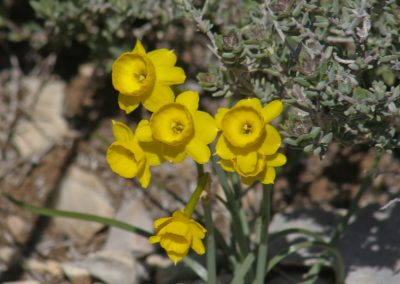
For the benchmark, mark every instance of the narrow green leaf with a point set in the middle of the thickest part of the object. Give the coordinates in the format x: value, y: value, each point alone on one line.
x: 338, y: 264
x: 196, y: 267
x: 243, y: 268
x: 275, y: 236
x: 80, y: 216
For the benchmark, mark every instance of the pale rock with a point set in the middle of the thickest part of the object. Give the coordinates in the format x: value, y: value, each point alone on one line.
x: 50, y: 267
x: 82, y: 191
x: 6, y: 256
x: 45, y: 123
x: 372, y: 275
x: 135, y: 213
x: 113, y: 267
x: 17, y: 227
x: 76, y: 274
x: 159, y: 261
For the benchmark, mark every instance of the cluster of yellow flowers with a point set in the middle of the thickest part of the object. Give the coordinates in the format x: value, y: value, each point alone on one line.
x: 248, y: 144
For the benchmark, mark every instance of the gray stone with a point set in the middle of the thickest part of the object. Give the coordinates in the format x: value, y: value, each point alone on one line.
x: 372, y: 275
x: 82, y: 191
x: 112, y: 267
x: 17, y: 227
x: 76, y: 274
x: 315, y: 220
x: 46, y: 123
x: 135, y: 213
x: 371, y: 244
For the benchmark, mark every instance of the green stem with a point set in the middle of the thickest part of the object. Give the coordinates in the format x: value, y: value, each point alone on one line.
x: 201, y: 184
x: 232, y: 205
x: 211, y: 256
x: 262, y: 257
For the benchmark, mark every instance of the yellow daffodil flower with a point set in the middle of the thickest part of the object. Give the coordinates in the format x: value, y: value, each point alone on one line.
x: 181, y: 129
x: 264, y: 171
x: 247, y: 137
x: 145, y: 77
x: 177, y: 234
x: 129, y: 158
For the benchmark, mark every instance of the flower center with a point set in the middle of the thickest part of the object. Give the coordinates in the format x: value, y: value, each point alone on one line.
x: 243, y: 126
x: 172, y: 124
x: 177, y: 127
x: 141, y: 77
x: 246, y: 129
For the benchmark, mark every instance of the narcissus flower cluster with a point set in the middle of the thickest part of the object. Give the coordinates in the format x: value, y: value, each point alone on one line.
x: 177, y: 129
x: 248, y: 143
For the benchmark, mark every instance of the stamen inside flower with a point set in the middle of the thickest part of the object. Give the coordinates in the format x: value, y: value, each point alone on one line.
x: 177, y: 127
x: 246, y: 129
x: 172, y: 124
x: 141, y: 77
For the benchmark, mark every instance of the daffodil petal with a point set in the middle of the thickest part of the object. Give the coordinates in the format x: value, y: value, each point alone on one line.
x: 168, y: 76
x: 248, y: 180
x: 177, y: 228
x: 143, y: 131
x: 275, y: 160
x: 198, y: 151
x: 121, y: 131
x: 144, y: 176
x: 139, y: 48
x: 162, y: 57
x: 251, y: 102
x: 176, y: 244
x: 272, y: 141
x: 247, y: 163
x: 161, y: 222
x: 268, y: 176
x: 227, y: 165
x: 128, y: 103
x: 189, y: 99
x: 176, y: 257
x: 160, y: 96
x: 153, y: 152
x: 173, y: 154
x: 223, y: 149
x: 121, y: 159
x: 198, y: 230
x: 198, y: 246
x: 154, y: 239
x: 220, y: 115
x: 205, y: 127
x: 272, y: 110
